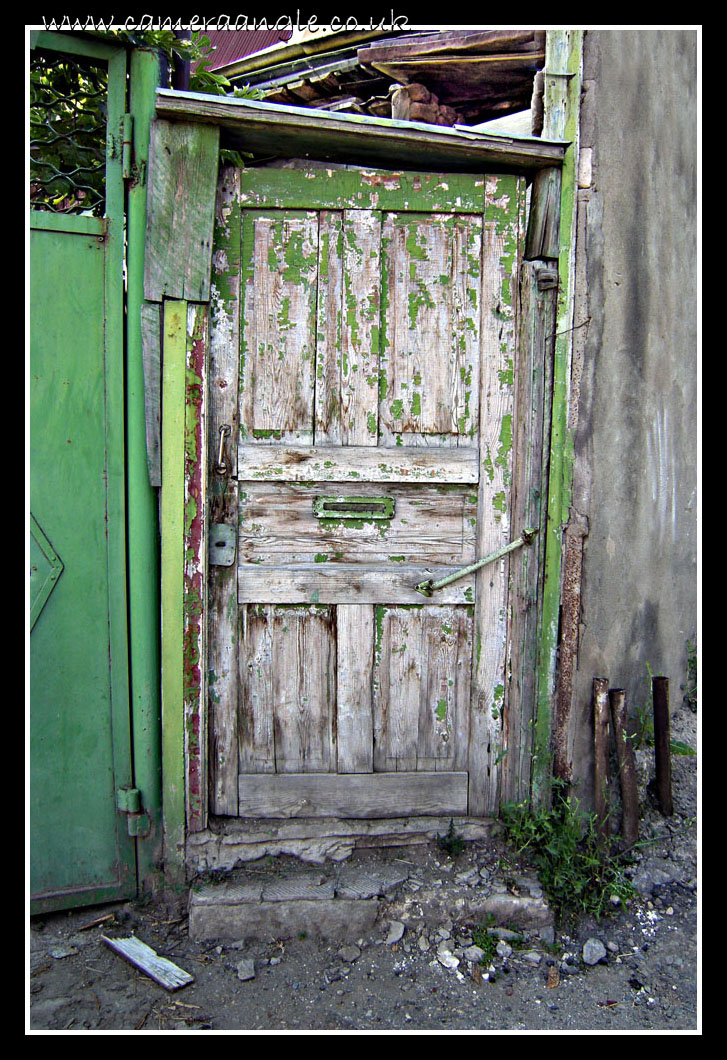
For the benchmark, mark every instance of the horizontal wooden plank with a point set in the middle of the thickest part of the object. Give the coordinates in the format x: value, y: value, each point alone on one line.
x: 280, y: 523
x: 344, y: 583
x: 357, y: 463
x: 249, y: 125
x: 354, y: 795
x: 339, y: 189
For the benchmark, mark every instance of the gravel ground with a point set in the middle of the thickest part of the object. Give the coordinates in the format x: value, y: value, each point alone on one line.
x: 645, y: 977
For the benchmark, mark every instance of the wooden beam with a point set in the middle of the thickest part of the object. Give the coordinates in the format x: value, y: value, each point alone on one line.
x: 269, y: 129
x: 357, y: 795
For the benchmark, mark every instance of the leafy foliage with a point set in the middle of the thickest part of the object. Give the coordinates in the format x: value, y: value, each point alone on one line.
x: 690, y: 688
x: 577, y: 872
x: 67, y: 134
x: 68, y: 116
x: 451, y: 843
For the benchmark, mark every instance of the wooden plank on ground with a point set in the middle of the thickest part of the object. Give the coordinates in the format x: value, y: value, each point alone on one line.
x: 148, y: 961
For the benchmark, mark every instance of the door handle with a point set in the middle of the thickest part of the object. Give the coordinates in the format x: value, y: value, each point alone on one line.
x: 426, y: 588
x: 221, y: 466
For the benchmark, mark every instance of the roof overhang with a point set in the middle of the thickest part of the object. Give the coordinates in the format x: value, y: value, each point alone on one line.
x: 270, y: 130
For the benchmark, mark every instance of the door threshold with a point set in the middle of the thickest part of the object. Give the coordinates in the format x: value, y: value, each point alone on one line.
x: 228, y: 841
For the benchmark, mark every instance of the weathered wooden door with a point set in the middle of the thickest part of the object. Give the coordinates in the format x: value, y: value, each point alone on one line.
x: 362, y: 356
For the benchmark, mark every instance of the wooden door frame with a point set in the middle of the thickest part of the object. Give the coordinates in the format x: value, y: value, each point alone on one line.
x: 184, y: 533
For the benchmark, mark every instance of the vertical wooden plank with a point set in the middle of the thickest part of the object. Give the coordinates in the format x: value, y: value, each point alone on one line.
x: 355, y: 659
x: 360, y: 330
x: 431, y: 329
x: 222, y: 593
x: 501, y: 248
x: 172, y: 578
x: 280, y: 265
x: 304, y: 690
x: 532, y: 415
x: 183, y: 163
x: 329, y: 328
x: 446, y: 683
x: 397, y: 688
x: 256, y: 710
x: 151, y: 340
x: 195, y: 567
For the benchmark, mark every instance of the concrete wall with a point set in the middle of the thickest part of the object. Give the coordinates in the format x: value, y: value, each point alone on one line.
x: 634, y: 412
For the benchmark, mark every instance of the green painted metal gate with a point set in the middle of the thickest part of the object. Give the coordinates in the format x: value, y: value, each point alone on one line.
x: 82, y: 795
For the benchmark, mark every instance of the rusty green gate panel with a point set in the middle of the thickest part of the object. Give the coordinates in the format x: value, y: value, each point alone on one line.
x: 81, y: 773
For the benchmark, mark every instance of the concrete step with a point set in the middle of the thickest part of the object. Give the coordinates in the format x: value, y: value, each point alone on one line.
x: 285, y: 899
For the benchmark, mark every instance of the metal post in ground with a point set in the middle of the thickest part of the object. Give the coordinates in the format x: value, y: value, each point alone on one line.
x: 601, y: 756
x: 662, y: 744
x: 626, y: 766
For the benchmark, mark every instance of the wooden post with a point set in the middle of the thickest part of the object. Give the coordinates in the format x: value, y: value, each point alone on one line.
x: 626, y: 766
x: 662, y: 744
x: 601, y: 748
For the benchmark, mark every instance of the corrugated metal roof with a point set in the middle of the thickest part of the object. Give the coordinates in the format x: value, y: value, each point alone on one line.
x: 231, y: 45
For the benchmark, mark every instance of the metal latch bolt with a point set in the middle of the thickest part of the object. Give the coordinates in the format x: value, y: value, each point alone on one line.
x: 426, y: 588
x: 128, y: 802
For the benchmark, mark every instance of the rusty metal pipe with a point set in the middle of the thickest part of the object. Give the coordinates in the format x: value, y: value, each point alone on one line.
x: 600, y: 751
x: 662, y: 744
x: 626, y: 766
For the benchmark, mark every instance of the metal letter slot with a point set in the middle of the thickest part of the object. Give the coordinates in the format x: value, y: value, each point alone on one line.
x: 354, y: 508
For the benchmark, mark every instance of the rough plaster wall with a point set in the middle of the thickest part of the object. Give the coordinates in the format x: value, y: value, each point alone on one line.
x: 634, y: 367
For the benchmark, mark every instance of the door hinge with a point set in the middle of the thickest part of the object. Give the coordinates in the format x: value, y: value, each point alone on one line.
x: 127, y: 143
x: 128, y: 802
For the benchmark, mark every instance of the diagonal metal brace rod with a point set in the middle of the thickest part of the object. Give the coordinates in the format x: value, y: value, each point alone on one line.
x: 426, y: 588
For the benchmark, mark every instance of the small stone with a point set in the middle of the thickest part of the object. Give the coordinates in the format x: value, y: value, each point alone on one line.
x: 423, y: 943
x: 396, y: 932
x: 612, y: 946
x: 670, y: 911
x: 532, y: 957
x: 448, y: 960
x: 246, y: 969
x: 474, y: 953
x: 58, y: 952
x: 503, y: 949
x: 349, y: 954
x: 593, y: 951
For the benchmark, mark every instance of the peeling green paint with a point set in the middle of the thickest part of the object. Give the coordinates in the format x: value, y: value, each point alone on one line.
x: 489, y: 466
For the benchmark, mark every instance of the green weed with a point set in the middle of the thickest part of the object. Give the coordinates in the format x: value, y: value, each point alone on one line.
x: 451, y: 843
x: 690, y: 688
x: 577, y: 872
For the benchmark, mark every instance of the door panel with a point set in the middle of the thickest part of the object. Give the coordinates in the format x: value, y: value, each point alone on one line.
x: 80, y: 738
x: 360, y: 468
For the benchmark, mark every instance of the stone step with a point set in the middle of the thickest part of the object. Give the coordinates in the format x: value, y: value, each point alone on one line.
x: 346, y: 903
